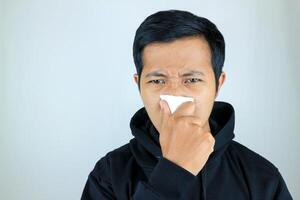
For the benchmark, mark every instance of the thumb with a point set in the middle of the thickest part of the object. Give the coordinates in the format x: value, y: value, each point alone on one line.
x: 164, y: 111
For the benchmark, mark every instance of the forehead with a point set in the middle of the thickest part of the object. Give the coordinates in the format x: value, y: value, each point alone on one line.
x: 187, y: 52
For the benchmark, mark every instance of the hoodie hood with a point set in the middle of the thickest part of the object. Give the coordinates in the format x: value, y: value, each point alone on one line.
x: 145, y: 145
x: 146, y: 149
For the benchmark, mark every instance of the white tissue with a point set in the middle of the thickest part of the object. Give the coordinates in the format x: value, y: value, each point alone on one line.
x: 175, y: 101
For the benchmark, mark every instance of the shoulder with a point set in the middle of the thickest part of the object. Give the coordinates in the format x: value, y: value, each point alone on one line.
x: 116, y: 158
x: 120, y: 154
x: 253, y: 162
x: 258, y: 172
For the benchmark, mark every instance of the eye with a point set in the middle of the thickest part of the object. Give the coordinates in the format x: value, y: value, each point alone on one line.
x: 192, y: 80
x: 158, y: 81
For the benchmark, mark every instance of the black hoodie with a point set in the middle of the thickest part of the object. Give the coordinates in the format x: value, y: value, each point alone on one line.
x: 137, y: 170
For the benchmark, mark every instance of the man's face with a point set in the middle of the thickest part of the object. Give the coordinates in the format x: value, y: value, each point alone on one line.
x: 180, y: 68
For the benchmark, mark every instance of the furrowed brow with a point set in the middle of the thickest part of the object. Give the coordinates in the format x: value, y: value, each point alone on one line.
x: 159, y: 74
x: 155, y: 73
x: 193, y: 73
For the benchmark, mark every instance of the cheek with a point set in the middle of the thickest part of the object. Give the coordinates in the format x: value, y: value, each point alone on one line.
x: 151, y: 101
x: 150, y: 95
x: 203, y: 110
x: 204, y: 103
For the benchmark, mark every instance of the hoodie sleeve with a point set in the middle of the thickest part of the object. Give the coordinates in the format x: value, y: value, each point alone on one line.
x: 167, y: 181
x: 98, y: 185
x: 282, y: 192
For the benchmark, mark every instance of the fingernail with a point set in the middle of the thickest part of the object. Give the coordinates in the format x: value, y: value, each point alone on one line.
x: 161, y: 106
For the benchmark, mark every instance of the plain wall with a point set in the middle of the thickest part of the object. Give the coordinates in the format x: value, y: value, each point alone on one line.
x: 67, y: 92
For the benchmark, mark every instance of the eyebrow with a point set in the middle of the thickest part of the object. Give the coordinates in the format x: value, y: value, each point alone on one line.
x: 159, y: 74
x: 193, y: 73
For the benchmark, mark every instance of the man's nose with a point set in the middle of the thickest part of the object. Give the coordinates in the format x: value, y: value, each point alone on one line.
x: 173, y: 87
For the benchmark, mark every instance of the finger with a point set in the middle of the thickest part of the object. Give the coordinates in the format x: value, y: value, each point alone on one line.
x: 165, y: 111
x: 186, y: 109
x: 192, y: 120
x: 197, y: 107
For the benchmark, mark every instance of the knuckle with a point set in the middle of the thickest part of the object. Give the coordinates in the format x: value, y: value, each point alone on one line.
x: 209, y: 138
x: 182, y: 121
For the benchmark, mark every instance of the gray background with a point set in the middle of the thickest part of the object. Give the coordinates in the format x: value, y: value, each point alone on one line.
x: 67, y: 91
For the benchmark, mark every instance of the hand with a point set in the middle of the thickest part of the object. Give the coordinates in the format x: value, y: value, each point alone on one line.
x: 184, y: 138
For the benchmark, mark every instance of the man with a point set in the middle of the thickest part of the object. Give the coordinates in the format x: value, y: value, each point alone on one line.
x: 188, y: 154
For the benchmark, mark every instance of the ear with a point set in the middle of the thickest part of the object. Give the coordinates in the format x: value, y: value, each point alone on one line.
x: 136, y: 78
x: 221, y: 81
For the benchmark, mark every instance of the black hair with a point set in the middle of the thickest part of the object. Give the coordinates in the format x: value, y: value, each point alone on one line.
x: 169, y: 25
